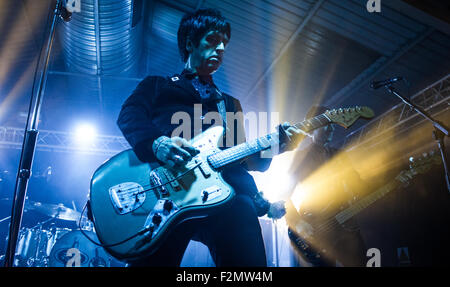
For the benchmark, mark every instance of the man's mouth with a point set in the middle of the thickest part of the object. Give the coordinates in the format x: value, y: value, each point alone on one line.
x: 217, y: 59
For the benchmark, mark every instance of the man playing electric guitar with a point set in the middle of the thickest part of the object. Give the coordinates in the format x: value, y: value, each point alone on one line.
x: 233, y: 235
x: 317, y: 242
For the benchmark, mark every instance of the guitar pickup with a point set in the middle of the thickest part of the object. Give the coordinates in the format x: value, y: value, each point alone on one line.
x: 173, y: 182
x: 204, y: 172
x: 157, y: 182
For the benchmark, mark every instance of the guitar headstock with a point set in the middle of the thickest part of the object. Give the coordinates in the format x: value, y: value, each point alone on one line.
x: 419, y: 165
x: 348, y: 116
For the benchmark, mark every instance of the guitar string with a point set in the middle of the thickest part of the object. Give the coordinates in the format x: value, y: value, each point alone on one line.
x: 146, y: 229
x: 363, y: 203
x: 332, y: 222
x: 189, y: 170
x: 252, y: 149
x: 161, y: 184
x: 300, y: 125
x: 227, y: 156
x: 133, y: 189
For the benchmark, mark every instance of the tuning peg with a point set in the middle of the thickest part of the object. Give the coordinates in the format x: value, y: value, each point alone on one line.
x: 412, y: 162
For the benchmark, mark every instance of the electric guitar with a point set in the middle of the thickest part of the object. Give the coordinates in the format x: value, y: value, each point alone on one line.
x: 134, y: 205
x: 307, y: 232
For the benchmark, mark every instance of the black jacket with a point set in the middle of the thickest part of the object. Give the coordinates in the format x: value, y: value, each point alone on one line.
x: 147, y: 113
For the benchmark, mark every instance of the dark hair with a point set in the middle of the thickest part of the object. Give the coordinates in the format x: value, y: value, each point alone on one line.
x: 194, y: 25
x: 315, y: 111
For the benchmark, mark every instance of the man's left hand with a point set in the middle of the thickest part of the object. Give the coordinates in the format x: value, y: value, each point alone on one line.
x: 290, y: 136
x: 276, y: 210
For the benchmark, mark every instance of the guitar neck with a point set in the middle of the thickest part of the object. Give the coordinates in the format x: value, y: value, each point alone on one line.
x: 244, y: 150
x: 360, y: 205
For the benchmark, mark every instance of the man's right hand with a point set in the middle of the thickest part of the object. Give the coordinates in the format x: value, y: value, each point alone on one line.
x: 173, y: 151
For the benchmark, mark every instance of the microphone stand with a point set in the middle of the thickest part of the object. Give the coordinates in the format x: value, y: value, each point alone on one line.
x: 28, y: 147
x: 439, y: 132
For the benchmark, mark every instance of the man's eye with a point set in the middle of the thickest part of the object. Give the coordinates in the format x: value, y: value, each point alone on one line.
x: 213, y: 40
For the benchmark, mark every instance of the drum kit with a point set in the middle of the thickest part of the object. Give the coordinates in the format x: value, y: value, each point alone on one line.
x: 48, y: 245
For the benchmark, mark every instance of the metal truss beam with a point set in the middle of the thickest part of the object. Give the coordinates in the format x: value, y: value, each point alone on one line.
x: 434, y: 99
x: 55, y: 141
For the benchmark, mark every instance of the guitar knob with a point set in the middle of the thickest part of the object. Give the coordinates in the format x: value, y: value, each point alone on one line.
x: 156, y: 219
x: 168, y: 205
x: 205, y: 196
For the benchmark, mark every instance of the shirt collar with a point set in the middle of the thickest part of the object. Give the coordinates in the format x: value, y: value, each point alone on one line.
x: 188, y: 74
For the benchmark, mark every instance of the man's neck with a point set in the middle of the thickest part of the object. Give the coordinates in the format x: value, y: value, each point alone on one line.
x: 206, y: 78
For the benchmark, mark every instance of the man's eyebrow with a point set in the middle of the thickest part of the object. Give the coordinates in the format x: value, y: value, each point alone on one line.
x: 218, y: 34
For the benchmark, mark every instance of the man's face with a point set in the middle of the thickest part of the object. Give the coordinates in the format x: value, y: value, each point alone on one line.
x: 207, y: 57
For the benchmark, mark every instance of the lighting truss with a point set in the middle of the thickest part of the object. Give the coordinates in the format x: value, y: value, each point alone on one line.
x: 435, y: 100
x: 56, y: 141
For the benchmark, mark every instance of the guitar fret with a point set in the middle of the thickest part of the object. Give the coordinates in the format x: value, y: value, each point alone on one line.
x: 244, y: 150
x: 343, y: 216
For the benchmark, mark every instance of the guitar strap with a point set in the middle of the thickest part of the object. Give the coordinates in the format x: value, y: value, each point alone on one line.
x: 209, y: 92
x: 223, y: 113
x: 222, y: 110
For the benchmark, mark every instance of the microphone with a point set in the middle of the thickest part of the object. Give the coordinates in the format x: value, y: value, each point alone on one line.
x: 377, y: 84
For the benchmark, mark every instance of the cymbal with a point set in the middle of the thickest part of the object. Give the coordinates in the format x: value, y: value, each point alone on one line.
x: 53, y: 210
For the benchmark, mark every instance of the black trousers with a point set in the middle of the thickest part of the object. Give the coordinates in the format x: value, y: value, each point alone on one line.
x: 232, y: 235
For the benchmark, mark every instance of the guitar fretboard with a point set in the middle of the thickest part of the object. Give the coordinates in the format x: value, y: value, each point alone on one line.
x: 244, y: 150
x: 348, y: 213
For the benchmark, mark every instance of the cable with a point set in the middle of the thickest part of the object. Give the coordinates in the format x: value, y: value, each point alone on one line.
x: 143, y: 231
x: 150, y: 228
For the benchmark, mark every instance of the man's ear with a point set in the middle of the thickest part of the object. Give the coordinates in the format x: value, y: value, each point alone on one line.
x: 189, y: 46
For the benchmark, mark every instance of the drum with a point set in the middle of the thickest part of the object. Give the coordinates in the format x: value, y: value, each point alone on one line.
x: 33, y: 247
x: 73, y: 249
x: 57, y: 233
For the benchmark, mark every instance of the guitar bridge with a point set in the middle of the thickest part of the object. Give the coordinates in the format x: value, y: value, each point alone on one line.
x: 126, y: 197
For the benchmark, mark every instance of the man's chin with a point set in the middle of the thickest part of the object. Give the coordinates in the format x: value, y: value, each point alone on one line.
x: 212, y: 69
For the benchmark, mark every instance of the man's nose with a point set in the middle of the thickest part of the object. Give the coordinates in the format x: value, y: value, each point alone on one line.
x: 220, y: 48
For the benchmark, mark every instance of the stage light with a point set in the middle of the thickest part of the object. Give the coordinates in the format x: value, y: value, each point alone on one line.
x: 276, y: 183
x: 298, y: 196
x: 85, y: 134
